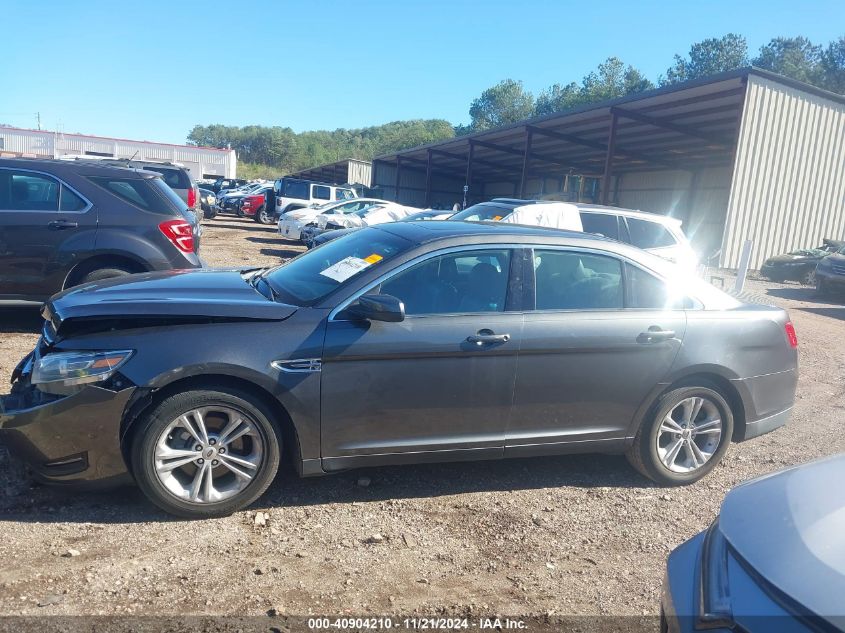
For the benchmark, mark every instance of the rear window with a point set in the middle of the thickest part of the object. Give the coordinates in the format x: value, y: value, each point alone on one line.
x: 645, y: 234
x: 295, y: 189
x: 174, y: 178
x: 482, y: 212
x: 321, y: 193
x: 149, y: 194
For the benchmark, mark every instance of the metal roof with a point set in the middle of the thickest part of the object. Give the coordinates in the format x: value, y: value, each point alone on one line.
x: 337, y: 172
x: 687, y: 126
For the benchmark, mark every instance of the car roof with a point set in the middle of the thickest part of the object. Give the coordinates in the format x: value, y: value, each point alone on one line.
x: 597, y: 208
x: 433, y: 230
x: 81, y: 167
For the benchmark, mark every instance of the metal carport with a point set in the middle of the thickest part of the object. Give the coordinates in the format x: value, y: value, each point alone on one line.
x: 676, y: 150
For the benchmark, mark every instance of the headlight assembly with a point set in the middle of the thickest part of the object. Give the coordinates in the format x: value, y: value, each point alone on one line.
x: 77, y: 368
x: 714, y: 601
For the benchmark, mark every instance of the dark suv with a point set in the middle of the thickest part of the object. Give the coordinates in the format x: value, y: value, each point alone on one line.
x: 63, y: 223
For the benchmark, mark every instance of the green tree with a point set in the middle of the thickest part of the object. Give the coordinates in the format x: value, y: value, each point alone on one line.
x: 709, y: 57
x: 795, y: 57
x: 557, y: 98
x: 506, y: 102
x: 832, y: 66
x: 612, y: 80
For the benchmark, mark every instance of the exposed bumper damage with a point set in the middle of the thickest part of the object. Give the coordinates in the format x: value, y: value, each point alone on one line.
x: 67, y: 439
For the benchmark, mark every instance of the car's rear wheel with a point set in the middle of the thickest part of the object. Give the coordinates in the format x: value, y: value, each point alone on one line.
x: 809, y: 278
x: 205, y: 453
x: 685, y: 438
x: 264, y: 216
x: 108, y: 272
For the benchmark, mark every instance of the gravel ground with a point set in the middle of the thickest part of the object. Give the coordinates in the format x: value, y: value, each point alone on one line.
x: 560, y: 535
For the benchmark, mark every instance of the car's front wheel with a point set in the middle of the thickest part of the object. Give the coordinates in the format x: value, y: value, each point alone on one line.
x: 685, y: 438
x: 206, y: 452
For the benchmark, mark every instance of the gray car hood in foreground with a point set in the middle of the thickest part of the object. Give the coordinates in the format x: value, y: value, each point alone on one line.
x: 790, y: 528
x: 171, y: 295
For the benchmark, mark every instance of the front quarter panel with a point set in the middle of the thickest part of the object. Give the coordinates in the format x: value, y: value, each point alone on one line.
x: 242, y: 350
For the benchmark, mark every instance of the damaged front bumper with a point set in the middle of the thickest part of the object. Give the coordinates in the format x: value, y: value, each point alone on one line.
x: 67, y: 439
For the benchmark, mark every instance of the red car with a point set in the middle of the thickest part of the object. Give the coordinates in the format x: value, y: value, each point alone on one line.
x: 255, y: 206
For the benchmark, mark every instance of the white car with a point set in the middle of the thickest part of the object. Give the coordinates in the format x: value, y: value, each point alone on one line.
x: 377, y: 214
x: 653, y: 232
x: 292, y: 222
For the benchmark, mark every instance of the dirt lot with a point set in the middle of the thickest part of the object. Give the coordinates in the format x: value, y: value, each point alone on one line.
x: 567, y: 535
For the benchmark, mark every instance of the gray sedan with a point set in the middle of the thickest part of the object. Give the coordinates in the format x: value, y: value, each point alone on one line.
x: 406, y: 342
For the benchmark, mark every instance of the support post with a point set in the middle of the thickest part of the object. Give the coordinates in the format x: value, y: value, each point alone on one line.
x: 608, y: 160
x: 526, y: 159
x: 398, y: 170
x: 428, y: 180
x: 468, y: 178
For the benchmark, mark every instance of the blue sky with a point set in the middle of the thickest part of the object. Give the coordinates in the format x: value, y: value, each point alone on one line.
x: 153, y: 69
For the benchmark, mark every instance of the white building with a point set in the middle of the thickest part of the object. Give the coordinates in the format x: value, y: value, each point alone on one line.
x: 202, y: 162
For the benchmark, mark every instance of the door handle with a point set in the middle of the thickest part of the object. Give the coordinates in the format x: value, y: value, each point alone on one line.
x: 655, y: 334
x: 60, y: 225
x: 487, y: 336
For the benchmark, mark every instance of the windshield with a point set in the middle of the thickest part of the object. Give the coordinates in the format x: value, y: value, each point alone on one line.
x: 308, y: 278
x: 482, y: 212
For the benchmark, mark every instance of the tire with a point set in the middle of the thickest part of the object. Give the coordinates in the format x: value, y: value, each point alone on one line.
x: 99, y: 274
x: 645, y: 456
x: 263, y: 216
x: 172, y: 488
x: 809, y: 278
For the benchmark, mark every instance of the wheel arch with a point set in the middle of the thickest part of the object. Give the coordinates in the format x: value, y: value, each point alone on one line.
x: 103, y: 260
x: 712, y: 376
x: 148, y: 398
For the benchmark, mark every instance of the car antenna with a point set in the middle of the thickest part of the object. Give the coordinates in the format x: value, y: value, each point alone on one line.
x: 134, y: 155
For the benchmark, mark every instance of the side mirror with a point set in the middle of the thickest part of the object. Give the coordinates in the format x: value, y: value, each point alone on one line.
x: 378, y: 308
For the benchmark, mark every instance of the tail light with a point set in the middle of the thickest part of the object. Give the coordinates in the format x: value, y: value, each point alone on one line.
x: 790, y: 334
x: 180, y: 233
x: 192, y: 197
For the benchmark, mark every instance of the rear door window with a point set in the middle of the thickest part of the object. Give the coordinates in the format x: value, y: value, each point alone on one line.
x: 647, y: 292
x: 645, y: 234
x: 600, y: 223
x: 26, y: 191
x: 343, y: 194
x: 320, y: 192
x: 69, y: 201
x: 568, y: 280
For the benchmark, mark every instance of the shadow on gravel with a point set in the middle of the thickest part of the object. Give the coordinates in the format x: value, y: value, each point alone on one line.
x: 804, y: 293
x: 20, y: 320
x: 283, y: 253
x: 275, y: 241
x: 836, y: 312
x: 33, y: 503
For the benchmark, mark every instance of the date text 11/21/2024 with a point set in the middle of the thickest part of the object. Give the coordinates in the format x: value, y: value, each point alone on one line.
x: 416, y: 624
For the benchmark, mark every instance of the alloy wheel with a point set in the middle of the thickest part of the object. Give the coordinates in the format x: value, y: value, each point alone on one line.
x: 689, y: 435
x: 265, y: 217
x: 208, y: 454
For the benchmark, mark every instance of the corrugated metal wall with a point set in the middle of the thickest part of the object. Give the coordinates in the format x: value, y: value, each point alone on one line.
x: 445, y: 191
x: 789, y: 177
x: 360, y: 173
x: 43, y: 144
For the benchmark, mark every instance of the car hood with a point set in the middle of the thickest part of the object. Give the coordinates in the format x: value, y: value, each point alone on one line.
x: 165, y: 297
x: 790, y: 528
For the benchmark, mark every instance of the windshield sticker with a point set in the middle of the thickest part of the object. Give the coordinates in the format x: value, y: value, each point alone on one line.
x: 345, y: 268
x: 372, y: 259
x: 496, y: 218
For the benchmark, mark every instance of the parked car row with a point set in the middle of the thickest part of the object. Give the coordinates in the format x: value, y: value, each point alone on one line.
x: 801, y: 265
